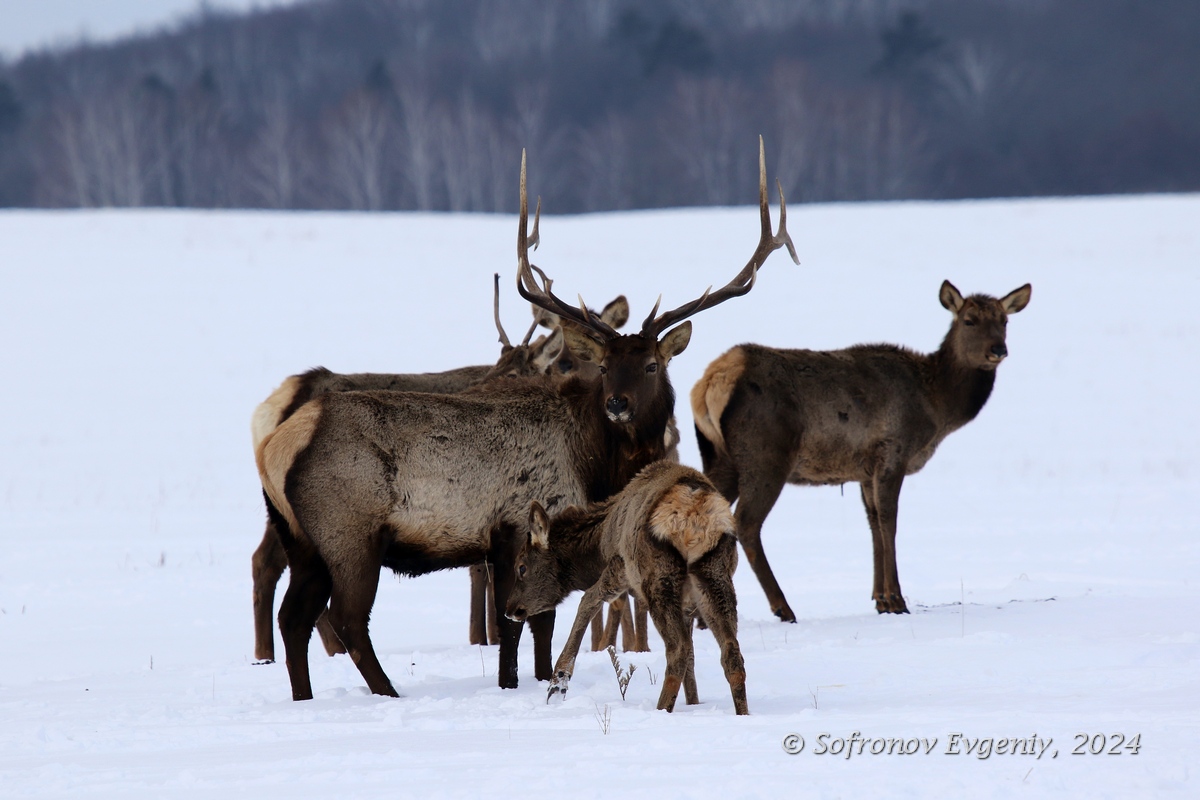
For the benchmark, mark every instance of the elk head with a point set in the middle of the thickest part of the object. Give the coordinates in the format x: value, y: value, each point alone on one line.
x: 977, y: 335
x: 538, y: 586
x: 633, y: 366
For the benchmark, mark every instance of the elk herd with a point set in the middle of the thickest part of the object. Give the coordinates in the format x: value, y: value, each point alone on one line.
x: 556, y: 470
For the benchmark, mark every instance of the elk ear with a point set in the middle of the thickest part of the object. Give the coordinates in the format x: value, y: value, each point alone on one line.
x: 545, y: 351
x: 584, y: 347
x: 616, y: 313
x: 1017, y: 299
x: 539, y: 526
x: 675, y: 342
x: 952, y: 299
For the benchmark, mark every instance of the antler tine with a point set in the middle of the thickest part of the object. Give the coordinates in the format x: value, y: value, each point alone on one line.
x: 541, y: 296
x: 496, y: 312
x: 743, y: 282
x: 529, y: 333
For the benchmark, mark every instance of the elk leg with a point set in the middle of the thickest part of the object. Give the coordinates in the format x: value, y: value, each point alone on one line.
x: 611, y: 584
x: 867, y: 489
x: 713, y: 574
x: 667, y: 613
x: 307, y: 593
x: 598, y: 631
x: 266, y: 566
x: 478, y: 629
x: 888, y: 599
x: 756, y: 501
x: 329, y: 638
x: 628, y: 631
x: 510, y: 631
x: 616, y: 618
x: 641, y: 621
x: 541, y: 627
x: 493, y: 625
x: 349, y: 612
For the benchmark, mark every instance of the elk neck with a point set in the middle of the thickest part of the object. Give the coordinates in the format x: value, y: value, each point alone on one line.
x: 616, y: 451
x: 575, y: 542
x: 958, y: 391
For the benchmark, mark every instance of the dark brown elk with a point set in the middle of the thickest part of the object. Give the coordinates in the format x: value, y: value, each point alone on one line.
x: 667, y: 538
x: 269, y: 560
x: 356, y: 481
x: 870, y: 414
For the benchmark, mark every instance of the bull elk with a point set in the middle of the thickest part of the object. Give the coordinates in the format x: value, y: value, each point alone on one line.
x: 356, y: 481
x: 870, y: 414
x: 668, y: 538
x: 269, y: 560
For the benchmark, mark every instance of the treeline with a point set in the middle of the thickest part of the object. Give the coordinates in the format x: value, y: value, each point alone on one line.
x: 426, y: 104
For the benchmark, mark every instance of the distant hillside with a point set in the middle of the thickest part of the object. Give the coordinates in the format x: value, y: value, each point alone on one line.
x: 425, y: 104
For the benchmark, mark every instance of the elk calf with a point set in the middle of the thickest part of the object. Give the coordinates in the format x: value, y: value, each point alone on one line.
x: 667, y: 538
x: 871, y: 414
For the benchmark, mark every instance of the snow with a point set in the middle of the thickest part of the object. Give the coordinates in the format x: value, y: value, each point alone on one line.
x: 136, y: 345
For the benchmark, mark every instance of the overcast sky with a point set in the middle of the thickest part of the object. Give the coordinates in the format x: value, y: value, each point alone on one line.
x: 26, y: 24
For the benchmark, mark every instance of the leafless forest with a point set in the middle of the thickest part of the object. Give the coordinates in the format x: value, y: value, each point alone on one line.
x: 425, y: 104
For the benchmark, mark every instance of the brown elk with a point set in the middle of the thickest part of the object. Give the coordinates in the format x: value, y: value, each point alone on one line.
x: 668, y: 538
x: 269, y: 560
x: 870, y: 414
x: 356, y: 481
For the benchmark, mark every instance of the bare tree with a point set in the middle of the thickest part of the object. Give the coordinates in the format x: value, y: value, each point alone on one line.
x: 359, y: 135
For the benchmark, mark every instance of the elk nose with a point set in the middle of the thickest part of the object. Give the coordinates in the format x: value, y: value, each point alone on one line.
x: 617, y: 405
x: 999, y: 350
x: 516, y: 613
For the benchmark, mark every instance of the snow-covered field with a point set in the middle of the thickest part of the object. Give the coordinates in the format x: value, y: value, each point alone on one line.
x: 135, y: 346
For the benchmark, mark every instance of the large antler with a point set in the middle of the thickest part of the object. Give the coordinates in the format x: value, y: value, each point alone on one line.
x: 744, y: 280
x: 500, y: 327
x: 541, y: 296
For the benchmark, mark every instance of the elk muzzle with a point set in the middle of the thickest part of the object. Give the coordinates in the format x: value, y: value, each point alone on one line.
x: 515, y: 611
x: 997, y: 353
x: 617, y: 408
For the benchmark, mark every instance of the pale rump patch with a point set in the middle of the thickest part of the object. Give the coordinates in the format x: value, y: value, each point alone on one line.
x: 711, y: 393
x: 277, y: 452
x: 691, y: 519
x: 269, y: 413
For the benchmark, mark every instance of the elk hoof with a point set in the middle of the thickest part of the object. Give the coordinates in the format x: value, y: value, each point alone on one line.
x: 892, y: 604
x: 559, y: 685
x: 785, y: 614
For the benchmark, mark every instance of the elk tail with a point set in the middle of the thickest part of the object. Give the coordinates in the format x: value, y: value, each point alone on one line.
x: 271, y: 412
x: 692, y: 518
x: 710, y: 396
x: 276, y: 454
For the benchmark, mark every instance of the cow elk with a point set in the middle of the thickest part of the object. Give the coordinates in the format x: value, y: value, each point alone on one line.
x: 269, y: 560
x: 667, y: 538
x: 870, y: 414
x: 356, y: 481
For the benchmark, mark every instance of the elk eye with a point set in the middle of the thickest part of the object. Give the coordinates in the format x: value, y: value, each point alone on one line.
x: 968, y: 321
x: 652, y: 367
x: 603, y: 370
x: 521, y: 571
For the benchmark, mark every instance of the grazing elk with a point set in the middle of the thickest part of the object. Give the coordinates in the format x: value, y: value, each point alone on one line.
x: 871, y: 414
x: 269, y: 560
x: 668, y: 538
x: 356, y: 481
